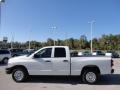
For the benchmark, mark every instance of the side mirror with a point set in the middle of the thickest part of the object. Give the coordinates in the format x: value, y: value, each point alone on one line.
x: 36, y: 56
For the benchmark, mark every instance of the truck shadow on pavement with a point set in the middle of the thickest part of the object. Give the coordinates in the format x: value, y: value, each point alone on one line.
x: 113, y: 79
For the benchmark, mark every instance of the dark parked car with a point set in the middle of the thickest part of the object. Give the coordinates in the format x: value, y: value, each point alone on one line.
x: 17, y: 52
x: 74, y: 53
x: 98, y: 52
x: 87, y: 53
x: 114, y: 54
x: 29, y: 51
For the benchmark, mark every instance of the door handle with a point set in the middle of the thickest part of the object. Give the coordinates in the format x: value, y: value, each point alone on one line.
x: 65, y: 60
x: 47, y: 61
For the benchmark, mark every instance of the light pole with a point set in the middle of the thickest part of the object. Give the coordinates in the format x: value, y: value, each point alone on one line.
x: 12, y: 41
x: 1, y: 1
x: 54, y: 28
x: 29, y: 39
x: 91, y: 24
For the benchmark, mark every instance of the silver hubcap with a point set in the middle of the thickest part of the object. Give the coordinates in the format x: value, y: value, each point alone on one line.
x: 91, y: 77
x: 18, y: 75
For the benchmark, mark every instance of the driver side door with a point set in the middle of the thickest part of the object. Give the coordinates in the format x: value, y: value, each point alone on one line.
x: 43, y: 62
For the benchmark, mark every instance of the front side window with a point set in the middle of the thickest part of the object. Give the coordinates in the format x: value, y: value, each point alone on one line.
x: 60, y: 52
x: 44, y: 53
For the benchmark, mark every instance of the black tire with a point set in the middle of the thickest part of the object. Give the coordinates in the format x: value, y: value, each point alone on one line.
x: 5, y: 60
x: 90, y: 76
x: 17, y: 72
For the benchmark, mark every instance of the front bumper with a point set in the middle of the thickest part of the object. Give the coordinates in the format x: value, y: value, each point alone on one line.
x: 8, y: 70
x: 112, y: 70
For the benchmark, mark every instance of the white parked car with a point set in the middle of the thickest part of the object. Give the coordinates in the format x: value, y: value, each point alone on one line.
x: 108, y: 54
x: 4, y: 56
x: 80, y: 53
x: 56, y: 61
x: 84, y: 53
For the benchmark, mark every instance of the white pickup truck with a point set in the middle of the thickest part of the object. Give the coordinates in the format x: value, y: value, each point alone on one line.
x: 56, y: 60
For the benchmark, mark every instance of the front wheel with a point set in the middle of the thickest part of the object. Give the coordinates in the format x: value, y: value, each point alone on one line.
x: 19, y: 75
x: 90, y: 76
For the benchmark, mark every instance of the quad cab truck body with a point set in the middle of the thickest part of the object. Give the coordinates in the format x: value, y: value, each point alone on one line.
x: 56, y: 61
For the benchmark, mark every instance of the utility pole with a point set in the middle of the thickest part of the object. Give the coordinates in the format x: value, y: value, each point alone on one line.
x: 91, y: 24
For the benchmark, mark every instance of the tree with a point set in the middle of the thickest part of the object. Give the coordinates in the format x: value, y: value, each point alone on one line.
x: 71, y: 43
x: 50, y: 42
x: 95, y: 44
x: 83, y: 42
x: 105, y: 42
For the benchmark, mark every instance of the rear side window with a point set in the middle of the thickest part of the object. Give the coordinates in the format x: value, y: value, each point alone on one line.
x: 4, y: 52
x: 60, y: 52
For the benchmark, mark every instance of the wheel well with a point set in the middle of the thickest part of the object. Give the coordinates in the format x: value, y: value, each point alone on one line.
x: 19, y: 66
x: 90, y: 67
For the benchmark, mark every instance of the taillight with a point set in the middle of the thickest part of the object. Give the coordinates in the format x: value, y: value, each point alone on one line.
x: 112, y: 63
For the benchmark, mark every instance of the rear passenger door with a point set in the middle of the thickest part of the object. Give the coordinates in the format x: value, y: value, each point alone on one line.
x: 61, y: 62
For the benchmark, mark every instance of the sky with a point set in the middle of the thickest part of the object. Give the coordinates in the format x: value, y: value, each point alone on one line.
x: 34, y: 19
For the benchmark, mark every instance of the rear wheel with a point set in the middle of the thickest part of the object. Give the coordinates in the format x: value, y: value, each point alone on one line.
x: 90, y: 76
x: 19, y: 74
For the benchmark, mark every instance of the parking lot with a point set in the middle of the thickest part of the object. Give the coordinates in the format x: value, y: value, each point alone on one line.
x: 107, y: 82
